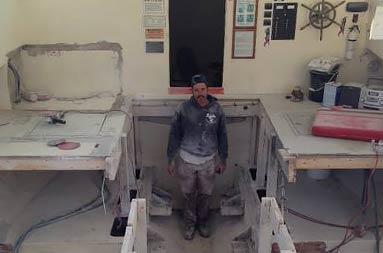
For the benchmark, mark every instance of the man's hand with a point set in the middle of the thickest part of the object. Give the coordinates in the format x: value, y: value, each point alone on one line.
x: 220, y: 168
x: 171, y: 169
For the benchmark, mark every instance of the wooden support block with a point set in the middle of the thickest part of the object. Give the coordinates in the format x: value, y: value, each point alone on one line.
x: 127, y: 245
x: 141, y: 238
x: 273, y: 228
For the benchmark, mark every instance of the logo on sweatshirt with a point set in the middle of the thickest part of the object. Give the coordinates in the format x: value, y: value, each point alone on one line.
x: 211, y: 118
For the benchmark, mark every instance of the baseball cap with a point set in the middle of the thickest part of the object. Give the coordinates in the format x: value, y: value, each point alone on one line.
x: 198, y: 79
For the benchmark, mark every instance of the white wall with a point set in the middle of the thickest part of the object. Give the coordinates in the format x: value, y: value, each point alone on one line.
x: 53, y: 21
x: 8, y: 41
x: 375, y: 46
x: 284, y: 64
x: 8, y: 20
x: 275, y: 69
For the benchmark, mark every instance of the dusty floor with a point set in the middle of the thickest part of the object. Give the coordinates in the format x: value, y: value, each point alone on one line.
x: 89, y: 233
x: 224, y: 229
x: 328, y: 200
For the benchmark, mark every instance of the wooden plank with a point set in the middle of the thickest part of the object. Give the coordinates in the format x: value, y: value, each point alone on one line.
x: 112, y: 162
x: 273, y: 228
x: 137, y: 143
x: 146, y: 185
x: 337, y: 162
x: 314, y: 162
x: 132, y: 218
x: 127, y: 245
x: 253, y: 142
x: 265, y: 228
x: 32, y: 164
x: 252, y: 203
x: 124, y: 177
x: 141, y: 238
x: 261, y: 153
x: 272, y: 177
x: 136, y: 231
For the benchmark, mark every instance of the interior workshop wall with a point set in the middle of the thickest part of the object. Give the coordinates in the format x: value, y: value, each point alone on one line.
x: 275, y: 69
x: 375, y: 46
x: 283, y: 64
x: 8, y: 41
x: 88, y: 21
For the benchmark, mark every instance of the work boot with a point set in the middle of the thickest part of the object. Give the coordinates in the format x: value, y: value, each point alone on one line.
x: 189, y: 232
x: 204, y: 230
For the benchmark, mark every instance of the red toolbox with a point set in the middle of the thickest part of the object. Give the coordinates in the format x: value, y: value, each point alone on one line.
x: 365, y: 125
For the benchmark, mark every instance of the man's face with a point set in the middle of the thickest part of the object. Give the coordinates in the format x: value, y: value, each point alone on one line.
x: 200, y: 93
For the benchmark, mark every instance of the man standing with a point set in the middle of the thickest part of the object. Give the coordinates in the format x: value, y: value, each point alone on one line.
x: 197, y: 149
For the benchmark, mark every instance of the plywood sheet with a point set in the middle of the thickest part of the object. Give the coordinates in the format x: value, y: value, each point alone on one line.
x: 76, y: 125
x: 29, y: 149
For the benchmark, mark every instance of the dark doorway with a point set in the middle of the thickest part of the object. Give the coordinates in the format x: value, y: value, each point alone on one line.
x: 197, y: 30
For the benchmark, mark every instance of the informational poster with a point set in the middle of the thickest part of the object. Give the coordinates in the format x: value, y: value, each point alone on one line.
x: 154, y: 6
x: 245, y: 13
x: 154, y: 21
x: 154, y: 47
x: 243, y: 44
x: 154, y: 34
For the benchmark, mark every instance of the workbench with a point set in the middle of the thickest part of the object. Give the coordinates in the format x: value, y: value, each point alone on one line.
x: 280, y: 140
x: 24, y: 136
x: 286, y: 144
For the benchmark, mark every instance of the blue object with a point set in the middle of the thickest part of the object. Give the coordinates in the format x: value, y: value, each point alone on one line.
x: 331, y: 94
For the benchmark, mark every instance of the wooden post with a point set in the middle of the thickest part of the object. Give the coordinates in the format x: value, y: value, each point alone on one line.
x: 273, y: 228
x: 136, y: 231
x: 141, y: 238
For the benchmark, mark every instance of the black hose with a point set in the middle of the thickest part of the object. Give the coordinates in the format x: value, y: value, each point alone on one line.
x: 83, y: 209
x: 18, y: 81
x: 91, y: 205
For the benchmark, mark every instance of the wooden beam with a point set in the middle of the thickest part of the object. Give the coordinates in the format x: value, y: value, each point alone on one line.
x: 141, y: 240
x: 273, y: 228
x: 127, y: 245
x: 41, y: 163
x: 319, y: 162
x: 338, y: 162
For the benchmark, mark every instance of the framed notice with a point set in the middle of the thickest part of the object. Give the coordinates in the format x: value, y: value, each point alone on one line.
x: 245, y: 13
x: 243, y: 44
x: 154, y: 34
x: 154, y: 21
x: 154, y: 6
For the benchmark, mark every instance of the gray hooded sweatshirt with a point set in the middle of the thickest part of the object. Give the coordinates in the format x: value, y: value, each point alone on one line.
x: 200, y: 131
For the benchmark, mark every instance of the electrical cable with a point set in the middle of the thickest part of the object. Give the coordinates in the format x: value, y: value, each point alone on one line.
x: 303, y: 216
x: 349, y: 237
x: 17, y: 80
x: 363, y: 209
x: 102, y: 194
x: 93, y: 204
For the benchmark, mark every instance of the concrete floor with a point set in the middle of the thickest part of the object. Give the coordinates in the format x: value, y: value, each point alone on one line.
x: 330, y: 201
x: 224, y: 230
x: 25, y: 203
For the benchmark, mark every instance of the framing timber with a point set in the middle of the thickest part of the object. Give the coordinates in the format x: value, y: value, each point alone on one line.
x: 316, y: 162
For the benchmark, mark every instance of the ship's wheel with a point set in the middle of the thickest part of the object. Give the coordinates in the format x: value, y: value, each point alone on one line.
x: 322, y: 15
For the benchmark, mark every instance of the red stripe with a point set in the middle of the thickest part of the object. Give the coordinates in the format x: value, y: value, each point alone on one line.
x: 188, y: 90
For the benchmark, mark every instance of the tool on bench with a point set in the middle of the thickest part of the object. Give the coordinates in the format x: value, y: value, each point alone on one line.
x: 63, y: 144
x: 57, y: 119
